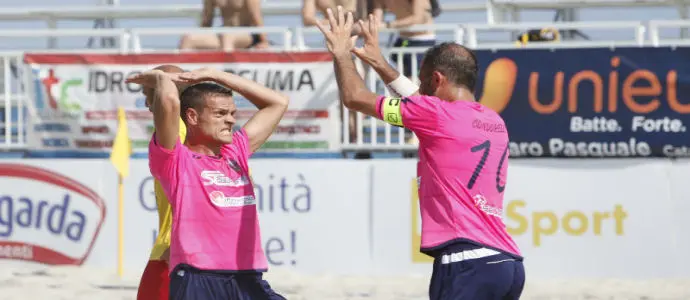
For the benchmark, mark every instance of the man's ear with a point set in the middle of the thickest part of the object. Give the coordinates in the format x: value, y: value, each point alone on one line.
x: 192, y: 116
x: 438, y: 78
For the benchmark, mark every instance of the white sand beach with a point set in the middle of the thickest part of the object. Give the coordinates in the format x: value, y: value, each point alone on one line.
x: 21, y: 283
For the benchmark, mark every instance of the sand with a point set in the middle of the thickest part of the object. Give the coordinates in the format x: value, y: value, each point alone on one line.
x: 88, y: 283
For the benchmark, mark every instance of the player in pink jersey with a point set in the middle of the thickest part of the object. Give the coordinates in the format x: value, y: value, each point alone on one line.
x: 215, y: 250
x: 463, y: 160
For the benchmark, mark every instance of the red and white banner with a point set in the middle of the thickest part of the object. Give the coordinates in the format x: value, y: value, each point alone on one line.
x: 46, y: 216
x: 75, y: 97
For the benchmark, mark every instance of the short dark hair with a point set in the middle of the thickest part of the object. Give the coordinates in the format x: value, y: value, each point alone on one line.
x: 194, y: 96
x: 455, y: 61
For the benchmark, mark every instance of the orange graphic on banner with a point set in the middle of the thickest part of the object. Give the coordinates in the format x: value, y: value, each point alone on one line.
x: 499, y: 83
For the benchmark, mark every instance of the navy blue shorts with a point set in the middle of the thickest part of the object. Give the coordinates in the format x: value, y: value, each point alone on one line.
x: 464, y: 273
x: 187, y: 282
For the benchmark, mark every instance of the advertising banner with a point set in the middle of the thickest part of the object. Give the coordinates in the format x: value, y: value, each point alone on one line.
x: 65, y: 212
x: 74, y: 98
x: 598, y: 102
x: 620, y: 218
x: 57, y: 212
x: 585, y: 219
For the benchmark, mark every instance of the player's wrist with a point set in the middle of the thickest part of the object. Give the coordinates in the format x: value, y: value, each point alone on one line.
x: 216, y: 75
x: 378, y: 62
x: 403, y: 86
x: 161, y: 78
x: 342, y: 55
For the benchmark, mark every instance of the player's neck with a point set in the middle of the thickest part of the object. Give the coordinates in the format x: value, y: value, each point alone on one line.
x: 210, y: 150
x: 458, y: 94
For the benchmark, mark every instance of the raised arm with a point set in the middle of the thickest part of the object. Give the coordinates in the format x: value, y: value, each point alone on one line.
x: 416, y: 113
x: 371, y: 54
x: 271, y: 104
x: 353, y: 92
x: 165, y: 106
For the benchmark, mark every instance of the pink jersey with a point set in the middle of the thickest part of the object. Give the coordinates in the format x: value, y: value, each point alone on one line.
x: 463, y: 160
x: 215, y: 221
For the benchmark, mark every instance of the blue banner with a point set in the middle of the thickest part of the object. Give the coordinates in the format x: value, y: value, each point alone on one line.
x: 623, y: 102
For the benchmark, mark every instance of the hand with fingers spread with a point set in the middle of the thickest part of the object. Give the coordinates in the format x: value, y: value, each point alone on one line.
x: 370, y: 52
x: 339, y: 39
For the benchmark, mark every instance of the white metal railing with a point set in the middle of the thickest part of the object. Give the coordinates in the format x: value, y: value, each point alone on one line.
x: 370, y: 133
x: 119, y: 33
x: 637, y: 28
x: 457, y: 30
x: 655, y: 27
x: 12, y: 102
x: 137, y: 33
x: 293, y: 38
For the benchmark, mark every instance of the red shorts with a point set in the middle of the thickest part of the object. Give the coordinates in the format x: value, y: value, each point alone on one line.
x: 155, y: 282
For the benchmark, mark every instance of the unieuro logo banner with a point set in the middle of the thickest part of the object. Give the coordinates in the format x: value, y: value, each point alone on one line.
x: 75, y: 98
x: 626, y: 102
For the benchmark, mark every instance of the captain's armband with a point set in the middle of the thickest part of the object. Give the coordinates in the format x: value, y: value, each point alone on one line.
x: 390, y: 111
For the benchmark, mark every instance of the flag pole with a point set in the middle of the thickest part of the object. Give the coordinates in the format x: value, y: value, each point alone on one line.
x: 122, y: 149
x: 120, y: 225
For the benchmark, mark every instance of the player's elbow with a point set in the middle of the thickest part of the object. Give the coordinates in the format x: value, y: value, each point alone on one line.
x: 283, y: 101
x: 355, y: 105
x: 350, y: 103
x: 359, y: 101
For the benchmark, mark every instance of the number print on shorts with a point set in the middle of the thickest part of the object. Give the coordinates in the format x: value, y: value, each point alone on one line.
x: 486, y: 147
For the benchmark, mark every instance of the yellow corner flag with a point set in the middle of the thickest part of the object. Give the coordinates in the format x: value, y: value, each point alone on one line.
x: 122, y: 149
